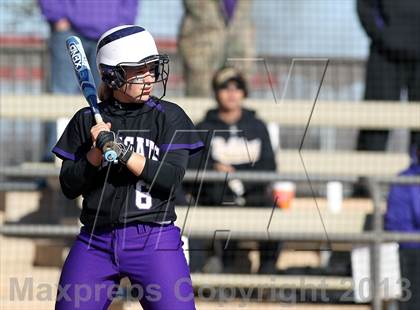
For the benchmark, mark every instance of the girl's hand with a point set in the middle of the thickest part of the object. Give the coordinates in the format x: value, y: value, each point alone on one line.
x: 95, y: 130
x: 95, y: 156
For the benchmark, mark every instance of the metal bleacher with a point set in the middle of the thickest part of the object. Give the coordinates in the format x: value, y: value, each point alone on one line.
x: 300, y: 224
x: 372, y: 115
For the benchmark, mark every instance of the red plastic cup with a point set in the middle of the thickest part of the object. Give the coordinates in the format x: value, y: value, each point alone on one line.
x: 283, y: 194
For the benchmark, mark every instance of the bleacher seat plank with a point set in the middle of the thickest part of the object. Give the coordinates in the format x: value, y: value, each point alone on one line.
x: 340, y: 114
x: 271, y: 281
x: 302, y: 220
x: 346, y: 163
x: 317, y: 163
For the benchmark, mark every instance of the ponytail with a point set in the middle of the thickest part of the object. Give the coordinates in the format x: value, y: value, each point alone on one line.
x: 105, y: 92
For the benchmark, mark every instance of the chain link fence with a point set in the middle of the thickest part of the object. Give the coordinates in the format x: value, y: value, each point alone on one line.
x: 307, y: 63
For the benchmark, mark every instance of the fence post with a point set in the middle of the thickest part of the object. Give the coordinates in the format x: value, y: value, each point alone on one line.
x: 377, y: 227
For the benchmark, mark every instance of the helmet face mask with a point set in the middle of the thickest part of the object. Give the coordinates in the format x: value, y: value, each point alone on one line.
x: 121, y: 75
x: 127, y: 56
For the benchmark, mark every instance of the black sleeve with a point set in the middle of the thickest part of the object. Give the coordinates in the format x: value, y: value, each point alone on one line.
x: 75, y: 141
x: 179, y: 133
x: 77, y: 172
x: 168, y: 173
x: 76, y: 176
x: 198, y: 161
x: 370, y: 16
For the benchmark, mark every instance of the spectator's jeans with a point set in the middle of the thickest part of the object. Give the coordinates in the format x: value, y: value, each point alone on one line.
x: 62, y: 78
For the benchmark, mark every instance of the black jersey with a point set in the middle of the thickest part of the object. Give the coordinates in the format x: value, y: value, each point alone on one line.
x: 159, y: 130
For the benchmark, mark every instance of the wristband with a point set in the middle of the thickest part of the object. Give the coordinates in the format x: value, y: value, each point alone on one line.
x: 125, y: 154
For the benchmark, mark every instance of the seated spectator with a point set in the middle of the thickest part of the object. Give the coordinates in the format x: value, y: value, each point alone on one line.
x: 237, y: 140
x: 403, y: 214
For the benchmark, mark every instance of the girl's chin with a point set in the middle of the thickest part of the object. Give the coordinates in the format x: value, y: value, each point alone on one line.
x: 143, y: 98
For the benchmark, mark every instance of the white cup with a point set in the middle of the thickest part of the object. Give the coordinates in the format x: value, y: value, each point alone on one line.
x: 334, y: 196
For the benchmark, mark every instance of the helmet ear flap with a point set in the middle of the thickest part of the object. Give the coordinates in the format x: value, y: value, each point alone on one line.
x: 113, y: 78
x: 118, y: 78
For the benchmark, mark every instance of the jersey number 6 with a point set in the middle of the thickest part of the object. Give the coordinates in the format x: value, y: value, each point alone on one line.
x: 143, y: 198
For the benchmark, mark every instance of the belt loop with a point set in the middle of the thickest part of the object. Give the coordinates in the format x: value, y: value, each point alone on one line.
x: 141, y: 228
x: 138, y: 229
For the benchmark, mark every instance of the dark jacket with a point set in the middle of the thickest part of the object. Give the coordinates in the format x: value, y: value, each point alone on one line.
x: 245, y: 146
x: 393, y: 26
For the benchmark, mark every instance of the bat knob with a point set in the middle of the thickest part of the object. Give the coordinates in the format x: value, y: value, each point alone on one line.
x: 110, y: 155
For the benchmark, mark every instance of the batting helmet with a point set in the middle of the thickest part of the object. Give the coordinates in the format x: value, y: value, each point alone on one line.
x: 129, y: 46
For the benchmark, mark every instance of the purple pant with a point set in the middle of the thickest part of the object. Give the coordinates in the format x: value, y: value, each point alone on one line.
x: 150, y: 256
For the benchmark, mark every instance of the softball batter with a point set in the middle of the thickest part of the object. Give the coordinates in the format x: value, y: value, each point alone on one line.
x: 128, y: 206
